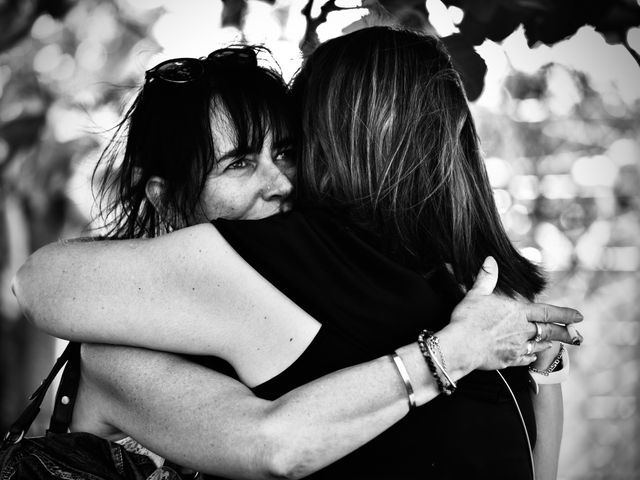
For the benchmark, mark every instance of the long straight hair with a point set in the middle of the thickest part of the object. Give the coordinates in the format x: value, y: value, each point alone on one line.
x: 388, y: 137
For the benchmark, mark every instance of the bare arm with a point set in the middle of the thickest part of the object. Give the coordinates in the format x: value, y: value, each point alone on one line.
x: 185, y: 292
x: 549, y: 412
x: 209, y: 422
x: 190, y: 292
x: 212, y: 423
x: 189, y: 285
x: 167, y: 293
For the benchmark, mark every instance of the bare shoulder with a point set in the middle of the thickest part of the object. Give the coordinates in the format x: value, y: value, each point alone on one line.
x: 194, y: 242
x: 194, y: 233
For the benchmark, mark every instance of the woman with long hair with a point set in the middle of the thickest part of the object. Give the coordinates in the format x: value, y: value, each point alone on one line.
x: 395, y: 217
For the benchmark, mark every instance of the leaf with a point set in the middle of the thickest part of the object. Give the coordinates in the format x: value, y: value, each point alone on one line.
x: 23, y: 107
x: 469, y: 64
x: 16, y: 18
x: 617, y: 20
x: 502, y: 25
x: 497, y: 28
x: 233, y: 12
x: 563, y: 20
x: 494, y: 19
x: 522, y: 85
x: 482, y: 11
x: 529, y: 5
x: 57, y: 8
x: 23, y: 132
x: 409, y: 14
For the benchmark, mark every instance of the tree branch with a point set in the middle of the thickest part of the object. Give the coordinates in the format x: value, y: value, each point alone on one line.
x: 310, y: 39
x: 634, y: 54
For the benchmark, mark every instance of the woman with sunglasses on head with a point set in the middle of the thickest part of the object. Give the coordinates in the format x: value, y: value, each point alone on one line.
x: 189, y: 292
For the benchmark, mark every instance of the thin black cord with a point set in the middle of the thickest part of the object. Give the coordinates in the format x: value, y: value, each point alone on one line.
x: 524, y: 426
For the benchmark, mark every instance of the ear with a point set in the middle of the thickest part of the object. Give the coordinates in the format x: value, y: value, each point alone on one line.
x: 154, y: 190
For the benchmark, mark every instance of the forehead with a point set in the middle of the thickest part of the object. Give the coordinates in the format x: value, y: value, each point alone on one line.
x: 247, y: 127
x: 223, y: 131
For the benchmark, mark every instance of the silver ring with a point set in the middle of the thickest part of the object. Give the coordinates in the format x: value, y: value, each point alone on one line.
x: 529, y: 347
x: 538, y: 336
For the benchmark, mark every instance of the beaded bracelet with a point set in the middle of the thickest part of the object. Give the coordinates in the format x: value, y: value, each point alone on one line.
x: 425, y: 340
x: 433, y: 344
x: 427, y: 356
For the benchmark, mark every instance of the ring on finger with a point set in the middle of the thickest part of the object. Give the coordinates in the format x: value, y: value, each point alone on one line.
x: 538, y: 336
x: 529, y: 347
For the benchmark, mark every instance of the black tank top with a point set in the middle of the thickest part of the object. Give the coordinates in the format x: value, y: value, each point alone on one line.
x: 368, y: 305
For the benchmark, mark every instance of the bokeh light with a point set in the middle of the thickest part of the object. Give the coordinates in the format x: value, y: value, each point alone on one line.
x: 560, y: 134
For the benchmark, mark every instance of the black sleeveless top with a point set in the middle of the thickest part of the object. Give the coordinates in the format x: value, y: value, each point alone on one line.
x: 368, y: 305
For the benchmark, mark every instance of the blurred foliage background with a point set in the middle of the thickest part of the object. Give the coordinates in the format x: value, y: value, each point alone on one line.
x: 555, y: 90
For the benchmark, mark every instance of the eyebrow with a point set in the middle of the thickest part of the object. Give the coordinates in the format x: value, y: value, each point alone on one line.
x: 284, y: 143
x: 236, y: 152
x: 229, y: 155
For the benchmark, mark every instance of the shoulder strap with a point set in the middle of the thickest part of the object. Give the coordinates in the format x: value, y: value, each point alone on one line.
x: 67, y: 392
x: 29, y: 414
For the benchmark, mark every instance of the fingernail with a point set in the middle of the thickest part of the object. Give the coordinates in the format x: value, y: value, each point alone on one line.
x: 578, y: 316
x: 577, y: 340
x: 548, y: 345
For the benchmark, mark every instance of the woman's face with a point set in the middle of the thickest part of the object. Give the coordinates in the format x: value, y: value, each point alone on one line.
x: 245, y: 185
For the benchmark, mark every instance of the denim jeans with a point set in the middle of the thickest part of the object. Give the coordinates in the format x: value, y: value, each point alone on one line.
x: 77, y: 456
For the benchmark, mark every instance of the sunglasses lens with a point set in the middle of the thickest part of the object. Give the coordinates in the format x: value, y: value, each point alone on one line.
x: 181, y: 70
x: 234, y: 57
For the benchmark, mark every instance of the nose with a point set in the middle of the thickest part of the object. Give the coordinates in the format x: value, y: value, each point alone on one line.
x: 278, y: 186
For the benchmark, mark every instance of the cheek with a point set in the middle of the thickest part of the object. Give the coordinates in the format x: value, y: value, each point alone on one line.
x: 227, y: 198
x: 290, y: 172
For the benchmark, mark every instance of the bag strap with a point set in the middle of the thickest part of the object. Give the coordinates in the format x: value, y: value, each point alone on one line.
x: 29, y: 414
x: 67, y: 393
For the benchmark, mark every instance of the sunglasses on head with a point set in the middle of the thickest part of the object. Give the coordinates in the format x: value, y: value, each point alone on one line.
x: 186, y: 70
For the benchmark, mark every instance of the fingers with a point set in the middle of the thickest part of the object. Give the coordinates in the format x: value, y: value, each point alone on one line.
x: 576, y: 338
x: 560, y: 333
x: 524, y: 360
x: 542, y: 312
x: 487, y: 278
x: 528, y: 354
x: 530, y: 347
x: 540, y: 346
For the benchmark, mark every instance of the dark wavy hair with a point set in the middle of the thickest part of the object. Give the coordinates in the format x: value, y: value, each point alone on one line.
x: 167, y: 133
x: 388, y: 138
